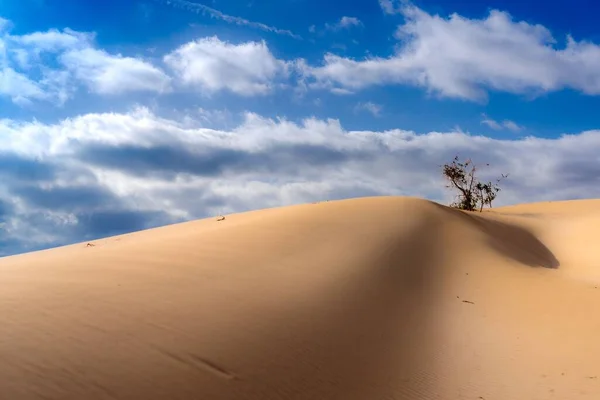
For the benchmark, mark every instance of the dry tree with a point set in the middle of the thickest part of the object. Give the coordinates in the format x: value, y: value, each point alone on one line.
x: 472, y: 194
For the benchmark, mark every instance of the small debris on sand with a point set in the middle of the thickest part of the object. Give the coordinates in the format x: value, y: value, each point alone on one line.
x: 220, y: 218
x: 90, y: 245
x: 467, y: 301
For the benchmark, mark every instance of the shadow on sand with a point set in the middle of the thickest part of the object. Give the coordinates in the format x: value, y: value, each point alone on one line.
x: 512, y: 241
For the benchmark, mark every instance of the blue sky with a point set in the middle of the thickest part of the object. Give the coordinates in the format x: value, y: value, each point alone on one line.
x: 121, y: 115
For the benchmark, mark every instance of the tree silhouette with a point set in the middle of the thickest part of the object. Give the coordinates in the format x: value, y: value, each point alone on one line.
x: 472, y: 194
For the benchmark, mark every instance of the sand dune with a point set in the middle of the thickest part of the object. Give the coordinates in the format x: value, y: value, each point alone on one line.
x: 374, y: 298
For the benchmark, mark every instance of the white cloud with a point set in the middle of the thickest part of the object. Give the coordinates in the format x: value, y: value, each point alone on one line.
x: 371, y: 107
x: 54, y: 40
x: 51, y: 65
x: 512, y: 126
x: 341, y: 91
x: 48, y: 66
x: 465, y: 58
x: 23, y: 78
x: 344, y: 23
x: 19, y: 87
x: 106, y: 73
x: 491, y: 123
x: 213, y: 13
x: 154, y: 170
x: 59, y: 85
x: 212, y: 65
x: 506, y: 124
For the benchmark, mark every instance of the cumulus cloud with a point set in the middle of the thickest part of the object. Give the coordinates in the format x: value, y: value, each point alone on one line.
x: 49, y: 65
x: 452, y: 56
x: 500, y: 125
x: 459, y: 57
x: 106, y: 73
x: 371, y: 107
x: 212, y: 65
x: 52, y: 65
x: 102, y: 174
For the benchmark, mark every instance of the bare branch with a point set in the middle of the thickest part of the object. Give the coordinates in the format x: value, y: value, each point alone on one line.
x: 473, y: 194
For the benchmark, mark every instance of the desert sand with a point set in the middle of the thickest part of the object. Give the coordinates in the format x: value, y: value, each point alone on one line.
x: 374, y: 298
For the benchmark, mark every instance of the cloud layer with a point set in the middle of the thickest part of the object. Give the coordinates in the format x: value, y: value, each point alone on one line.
x: 465, y: 58
x: 100, y: 174
x: 453, y: 57
x: 103, y: 174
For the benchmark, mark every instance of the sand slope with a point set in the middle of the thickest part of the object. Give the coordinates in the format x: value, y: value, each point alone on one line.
x: 374, y: 298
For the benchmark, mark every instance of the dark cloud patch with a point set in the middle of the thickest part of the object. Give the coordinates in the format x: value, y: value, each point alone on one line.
x: 66, y: 198
x: 15, y: 167
x: 6, y: 210
x: 90, y: 225
x: 313, y: 155
x: 352, y: 192
x: 101, y: 224
x: 198, y: 202
x: 12, y: 242
x: 578, y: 171
x: 145, y: 161
x: 10, y: 246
